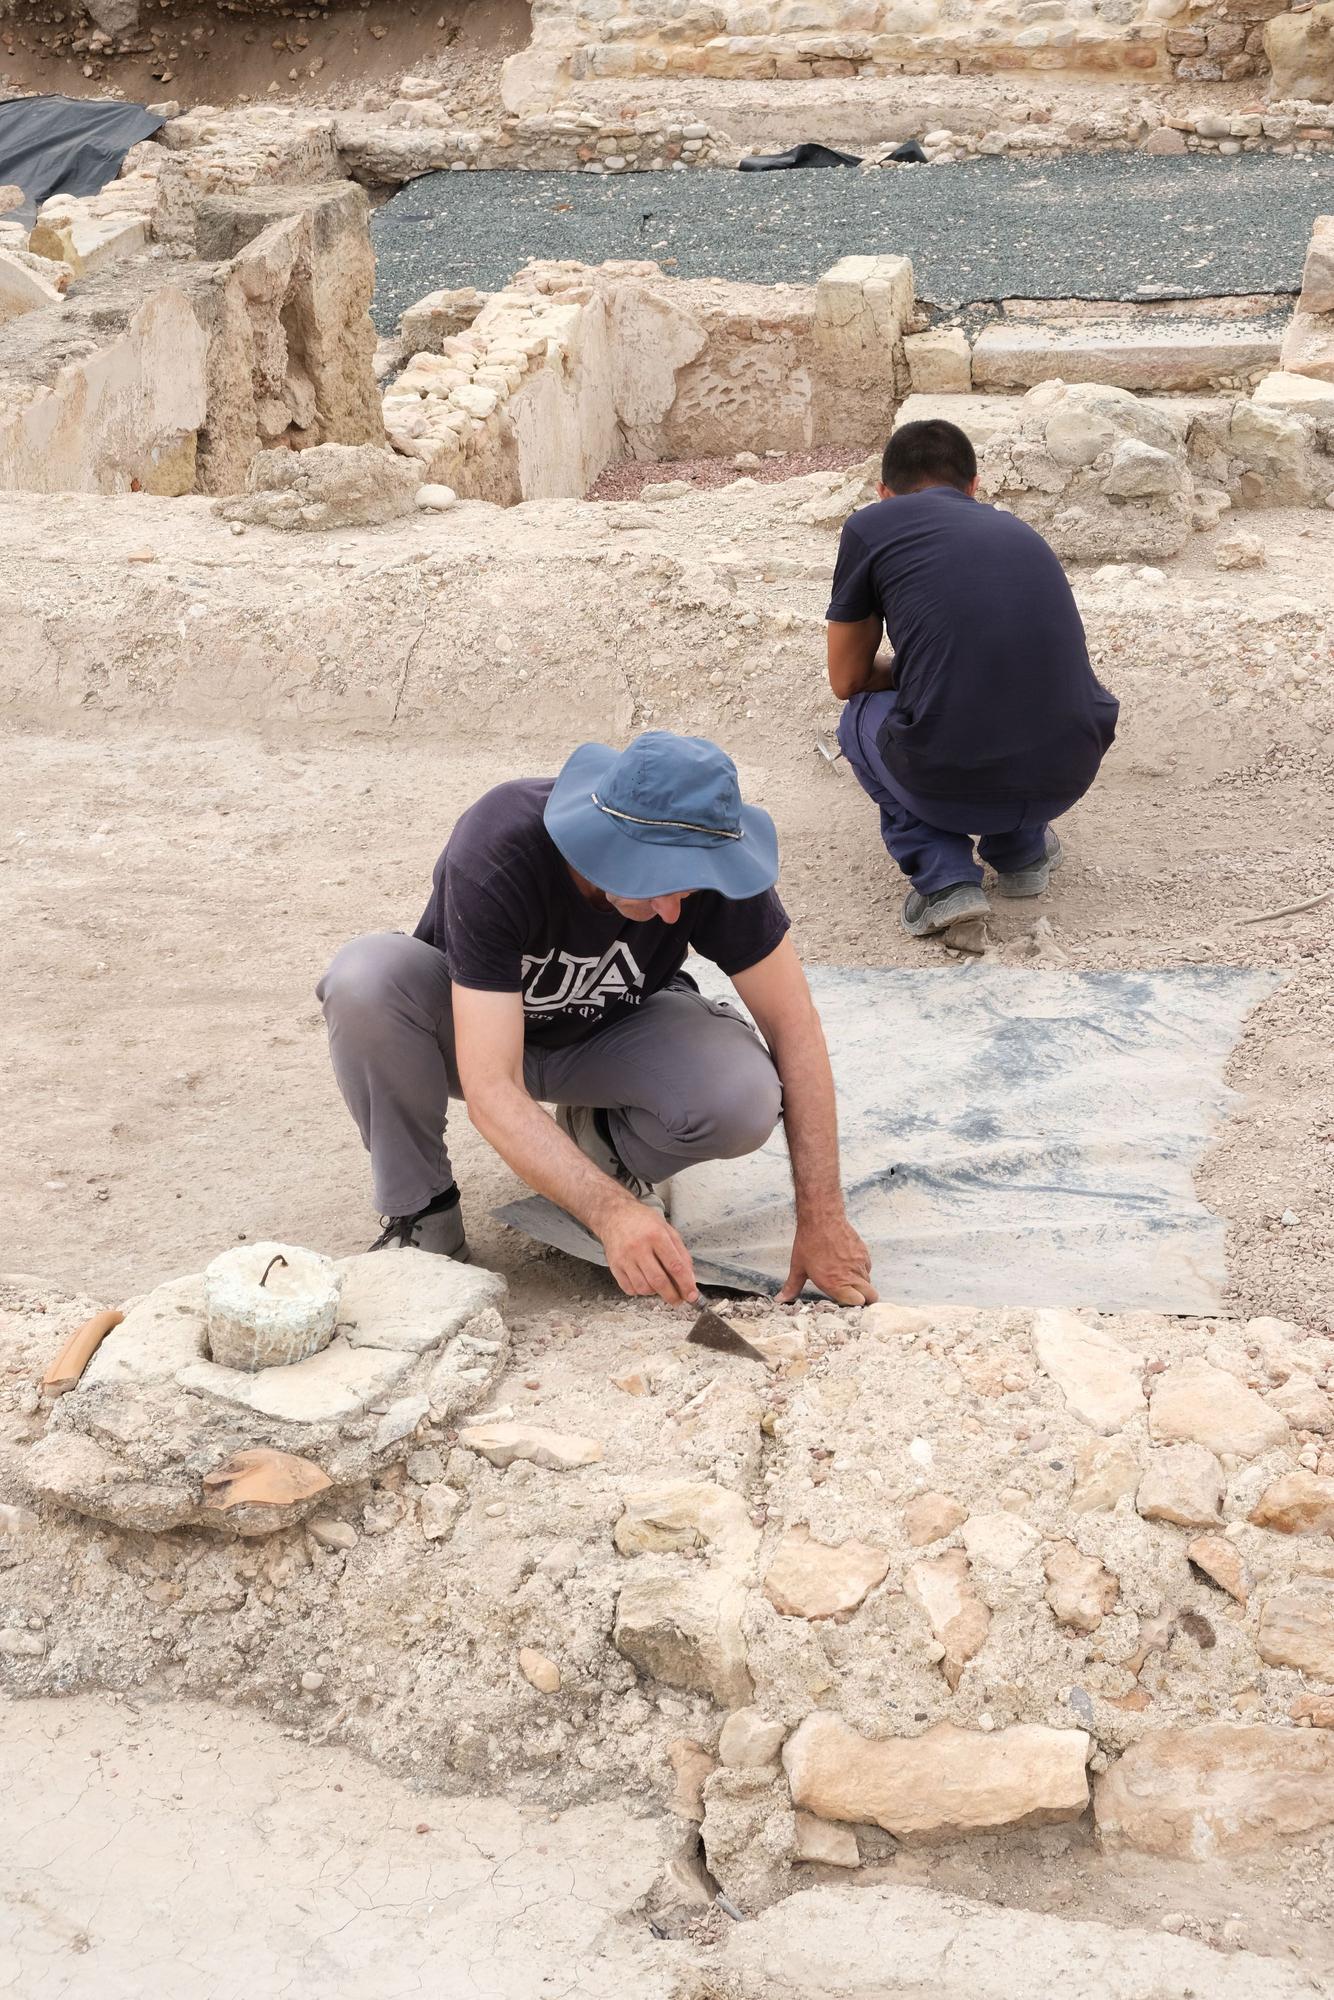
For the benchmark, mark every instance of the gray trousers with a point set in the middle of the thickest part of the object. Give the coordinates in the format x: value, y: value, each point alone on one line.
x: 682, y: 1078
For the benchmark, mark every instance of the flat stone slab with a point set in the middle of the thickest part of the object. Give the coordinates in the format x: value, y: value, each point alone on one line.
x: 337, y: 1382
x: 410, y: 1300
x: 1126, y: 354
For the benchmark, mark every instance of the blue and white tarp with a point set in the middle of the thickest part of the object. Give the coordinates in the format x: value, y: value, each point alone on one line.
x: 1008, y: 1138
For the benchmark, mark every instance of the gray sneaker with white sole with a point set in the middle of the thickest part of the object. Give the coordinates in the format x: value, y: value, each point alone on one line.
x: 928, y: 916
x: 437, y: 1229
x: 1035, y: 878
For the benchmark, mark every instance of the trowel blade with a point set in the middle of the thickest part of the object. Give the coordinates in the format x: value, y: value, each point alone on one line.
x: 712, y: 1330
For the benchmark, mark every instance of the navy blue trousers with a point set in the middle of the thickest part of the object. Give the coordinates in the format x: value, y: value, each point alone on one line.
x: 932, y: 839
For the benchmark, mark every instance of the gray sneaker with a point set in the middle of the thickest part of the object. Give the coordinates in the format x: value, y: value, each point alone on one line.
x: 1033, y: 879
x: 928, y: 916
x: 437, y: 1230
x: 581, y: 1123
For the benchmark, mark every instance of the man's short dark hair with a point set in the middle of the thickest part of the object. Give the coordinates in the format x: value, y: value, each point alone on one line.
x: 930, y: 453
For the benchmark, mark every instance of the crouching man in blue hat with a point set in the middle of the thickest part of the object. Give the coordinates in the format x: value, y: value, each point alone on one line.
x: 547, y: 970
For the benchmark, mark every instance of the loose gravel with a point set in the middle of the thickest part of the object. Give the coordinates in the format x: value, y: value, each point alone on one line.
x: 1092, y: 226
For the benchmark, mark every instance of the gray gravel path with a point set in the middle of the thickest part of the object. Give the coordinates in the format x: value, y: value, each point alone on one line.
x: 1100, y: 226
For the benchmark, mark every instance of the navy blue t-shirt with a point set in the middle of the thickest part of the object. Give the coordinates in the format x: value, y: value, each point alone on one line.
x: 996, y: 697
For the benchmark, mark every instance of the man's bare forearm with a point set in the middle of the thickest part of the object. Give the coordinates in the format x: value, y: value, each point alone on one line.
x: 534, y: 1146
x: 810, y: 1116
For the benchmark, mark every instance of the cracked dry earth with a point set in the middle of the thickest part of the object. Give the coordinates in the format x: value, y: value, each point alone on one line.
x: 180, y: 877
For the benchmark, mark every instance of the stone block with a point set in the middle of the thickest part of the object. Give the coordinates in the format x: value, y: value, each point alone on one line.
x: 24, y: 286
x: 1308, y: 346
x: 947, y: 1781
x: 1305, y: 394
x: 685, y: 1630
x: 86, y: 242
x: 411, y: 1300
x: 1184, y: 1484
x: 1195, y: 1403
x: 939, y: 362
x: 1194, y: 1794
x: 1127, y: 352
x: 1297, y: 1628
x: 811, y: 1579
x: 1300, y: 50
x: 683, y: 1514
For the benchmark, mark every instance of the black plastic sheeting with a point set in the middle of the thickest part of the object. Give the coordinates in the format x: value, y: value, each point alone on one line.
x: 809, y: 154
x: 67, y: 145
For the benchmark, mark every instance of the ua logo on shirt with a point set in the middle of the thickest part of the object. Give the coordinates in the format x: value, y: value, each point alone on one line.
x: 560, y: 981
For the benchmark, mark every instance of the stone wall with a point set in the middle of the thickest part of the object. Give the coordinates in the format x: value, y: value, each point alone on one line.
x: 572, y: 368
x: 800, y: 40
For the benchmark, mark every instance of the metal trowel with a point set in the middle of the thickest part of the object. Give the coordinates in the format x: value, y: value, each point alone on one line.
x: 712, y: 1330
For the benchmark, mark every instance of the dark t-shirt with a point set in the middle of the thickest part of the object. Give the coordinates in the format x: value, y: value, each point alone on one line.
x: 508, y: 917
x: 996, y: 697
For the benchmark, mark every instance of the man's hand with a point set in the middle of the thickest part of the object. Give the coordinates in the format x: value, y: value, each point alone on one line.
x: 835, y: 1260
x: 645, y: 1255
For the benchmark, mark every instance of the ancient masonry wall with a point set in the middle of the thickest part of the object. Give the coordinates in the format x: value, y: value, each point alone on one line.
x: 796, y: 40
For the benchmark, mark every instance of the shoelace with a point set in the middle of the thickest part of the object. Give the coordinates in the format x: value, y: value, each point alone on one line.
x: 397, y: 1229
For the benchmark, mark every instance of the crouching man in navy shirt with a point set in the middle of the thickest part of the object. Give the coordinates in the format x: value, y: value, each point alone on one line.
x: 547, y: 969
x: 988, y: 721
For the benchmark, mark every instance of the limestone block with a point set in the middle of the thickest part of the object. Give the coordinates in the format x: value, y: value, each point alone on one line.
x: 1217, y: 1789
x: 558, y: 1451
x: 1297, y: 1628
x: 1308, y: 345
x: 326, y: 486
x: 687, y: 1514
x: 1300, y: 50
x: 1143, y: 355
x: 1317, y: 294
x: 23, y: 289
x: 128, y: 410
x: 691, y: 1764
x: 438, y: 317
x: 940, y: 362
x: 809, y: 1579
x: 1301, y: 1503
x: 1098, y: 1377
x: 87, y: 242
x: 948, y: 1781
x: 685, y: 1630
x: 862, y: 305
x: 1196, y: 1403
x: 410, y: 1299
x: 1183, y: 1484
x: 1079, y: 1590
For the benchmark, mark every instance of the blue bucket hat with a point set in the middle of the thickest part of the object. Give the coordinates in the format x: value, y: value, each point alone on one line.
x: 659, y: 818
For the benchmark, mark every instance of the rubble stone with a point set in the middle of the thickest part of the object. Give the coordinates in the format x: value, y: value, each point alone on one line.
x: 1196, y: 1403
x: 1182, y: 1483
x: 1300, y: 1503
x: 1221, y: 1788
x: 750, y: 1739
x: 327, y: 486
x: 687, y: 1514
x: 1222, y: 1564
x: 1079, y: 1590
x: 932, y: 1516
x: 1104, y: 1474
x: 1297, y: 1628
x: 942, y: 1586
x: 539, y: 1671
x: 557, y: 1451
x: 1002, y: 1540
x: 692, y: 1764
x: 948, y: 1781
x: 810, y: 1579
x: 1098, y: 1377
x: 686, y: 1631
